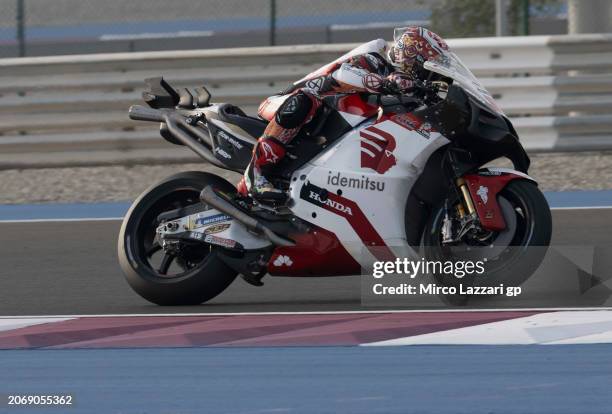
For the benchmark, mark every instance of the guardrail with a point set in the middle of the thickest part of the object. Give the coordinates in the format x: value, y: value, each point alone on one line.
x: 72, y: 110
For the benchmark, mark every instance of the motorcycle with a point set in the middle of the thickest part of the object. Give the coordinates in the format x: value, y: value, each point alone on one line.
x: 369, y: 177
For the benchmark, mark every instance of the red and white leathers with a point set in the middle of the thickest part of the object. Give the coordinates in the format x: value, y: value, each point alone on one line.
x: 369, y: 71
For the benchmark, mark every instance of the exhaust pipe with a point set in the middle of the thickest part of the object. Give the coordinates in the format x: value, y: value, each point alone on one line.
x: 209, y: 197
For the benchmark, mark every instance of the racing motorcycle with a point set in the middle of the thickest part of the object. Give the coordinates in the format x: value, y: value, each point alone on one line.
x: 370, y: 178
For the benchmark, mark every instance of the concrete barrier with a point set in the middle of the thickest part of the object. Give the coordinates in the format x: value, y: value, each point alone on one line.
x: 556, y: 89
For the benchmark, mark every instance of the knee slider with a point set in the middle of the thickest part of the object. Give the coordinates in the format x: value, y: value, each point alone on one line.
x: 294, y: 111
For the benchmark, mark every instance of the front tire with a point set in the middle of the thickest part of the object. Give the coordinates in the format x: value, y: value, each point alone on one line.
x: 201, y: 274
x: 525, y: 249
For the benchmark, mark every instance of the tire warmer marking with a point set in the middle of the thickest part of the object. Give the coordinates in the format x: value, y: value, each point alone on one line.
x: 353, y: 214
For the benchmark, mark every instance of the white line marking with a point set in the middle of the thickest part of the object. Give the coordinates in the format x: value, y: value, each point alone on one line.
x: 61, y: 220
x: 156, y: 35
x: 358, y: 312
x: 549, y: 328
x: 582, y: 208
x: 9, y: 324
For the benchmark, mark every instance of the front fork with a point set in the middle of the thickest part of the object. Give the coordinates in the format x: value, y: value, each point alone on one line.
x: 477, y: 192
x: 466, y: 198
x: 465, y: 213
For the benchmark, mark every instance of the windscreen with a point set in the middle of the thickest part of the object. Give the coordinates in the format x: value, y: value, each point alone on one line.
x: 448, y: 64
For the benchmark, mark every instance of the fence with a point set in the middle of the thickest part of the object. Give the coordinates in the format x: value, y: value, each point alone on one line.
x: 72, y: 110
x: 43, y: 27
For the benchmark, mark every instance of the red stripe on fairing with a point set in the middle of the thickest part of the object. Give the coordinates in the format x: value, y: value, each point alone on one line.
x: 373, y: 138
x: 362, y: 226
x: 366, y: 146
x: 388, y: 137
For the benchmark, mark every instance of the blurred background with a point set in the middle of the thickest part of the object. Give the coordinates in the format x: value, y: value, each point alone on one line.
x: 64, y: 102
x: 54, y: 27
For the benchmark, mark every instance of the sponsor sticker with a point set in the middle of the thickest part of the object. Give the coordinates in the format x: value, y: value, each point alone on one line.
x: 357, y: 182
x: 222, y: 153
x: 283, y: 260
x: 314, y: 195
x: 197, y: 222
x: 230, y: 139
x: 220, y: 241
x: 372, y: 81
x: 412, y: 123
x: 483, y: 193
x: 377, y: 148
x: 334, y: 205
x: 315, y: 84
x: 216, y: 228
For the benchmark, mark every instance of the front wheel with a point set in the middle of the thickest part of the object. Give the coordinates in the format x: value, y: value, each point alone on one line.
x: 511, y: 255
x: 188, y: 275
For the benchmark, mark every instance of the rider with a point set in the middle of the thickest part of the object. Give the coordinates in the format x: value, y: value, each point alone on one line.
x: 370, y: 72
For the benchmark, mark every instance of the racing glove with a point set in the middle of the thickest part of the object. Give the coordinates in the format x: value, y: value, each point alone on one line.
x: 397, y: 83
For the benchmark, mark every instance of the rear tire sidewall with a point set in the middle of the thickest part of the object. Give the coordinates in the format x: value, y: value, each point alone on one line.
x: 528, y: 259
x: 200, y: 284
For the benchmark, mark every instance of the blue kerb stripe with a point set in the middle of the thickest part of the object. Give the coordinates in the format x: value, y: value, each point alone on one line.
x: 562, y: 199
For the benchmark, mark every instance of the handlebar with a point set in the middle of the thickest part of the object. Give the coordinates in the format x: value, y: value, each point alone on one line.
x: 142, y: 113
x: 421, y: 92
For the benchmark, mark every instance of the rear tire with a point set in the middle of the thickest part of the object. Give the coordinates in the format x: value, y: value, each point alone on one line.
x: 197, y: 284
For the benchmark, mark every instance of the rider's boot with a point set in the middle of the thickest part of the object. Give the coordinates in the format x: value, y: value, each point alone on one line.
x: 267, y: 152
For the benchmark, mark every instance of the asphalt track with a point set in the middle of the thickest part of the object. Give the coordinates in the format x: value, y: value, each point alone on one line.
x: 70, y: 268
x: 421, y: 379
x: 52, y: 266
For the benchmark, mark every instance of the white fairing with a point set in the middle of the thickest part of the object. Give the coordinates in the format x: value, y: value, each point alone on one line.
x: 380, y: 195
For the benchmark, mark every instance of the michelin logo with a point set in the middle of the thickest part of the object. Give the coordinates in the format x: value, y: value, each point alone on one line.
x: 203, y: 221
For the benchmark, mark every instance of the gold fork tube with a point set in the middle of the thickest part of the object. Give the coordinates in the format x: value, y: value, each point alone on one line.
x: 467, y: 198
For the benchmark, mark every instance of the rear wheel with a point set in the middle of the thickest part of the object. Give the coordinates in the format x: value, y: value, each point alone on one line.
x: 512, y: 255
x: 190, y: 272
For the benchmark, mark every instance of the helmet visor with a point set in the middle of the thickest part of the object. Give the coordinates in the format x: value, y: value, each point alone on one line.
x: 398, y: 32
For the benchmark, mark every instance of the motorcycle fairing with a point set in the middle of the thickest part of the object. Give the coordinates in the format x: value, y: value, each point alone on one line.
x: 316, y: 253
x: 484, y: 187
x: 359, y: 195
x: 231, y: 144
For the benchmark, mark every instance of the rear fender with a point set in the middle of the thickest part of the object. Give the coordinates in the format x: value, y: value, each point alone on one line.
x: 484, y: 186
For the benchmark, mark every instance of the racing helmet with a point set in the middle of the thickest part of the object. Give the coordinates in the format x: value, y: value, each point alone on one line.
x: 413, y: 46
